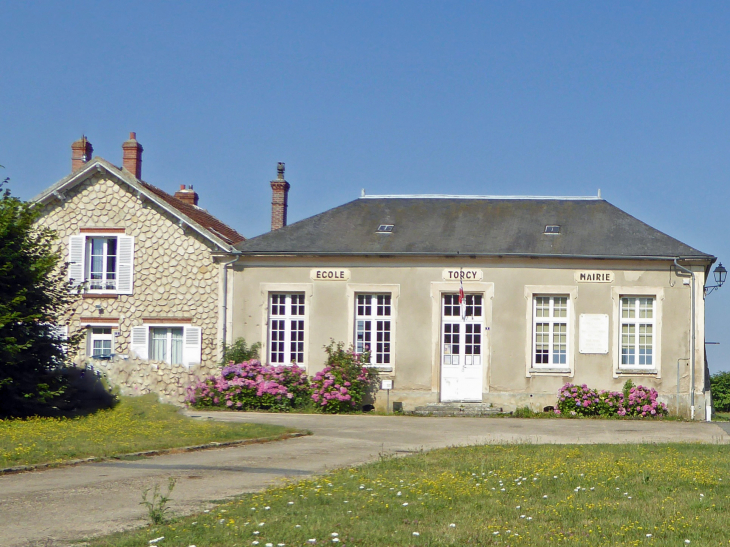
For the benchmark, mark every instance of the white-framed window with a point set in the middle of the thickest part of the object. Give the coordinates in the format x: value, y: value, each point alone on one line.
x: 462, y: 336
x: 286, y: 328
x: 171, y: 343
x: 638, y: 320
x: 100, y: 342
x: 103, y: 263
x: 550, y: 336
x: 373, y: 333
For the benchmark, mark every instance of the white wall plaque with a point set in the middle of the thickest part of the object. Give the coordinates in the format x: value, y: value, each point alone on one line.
x: 467, y: 274
x: 593, y: 333
x: 593, y: 276
x: 329, y: 274
x: 386, y: 384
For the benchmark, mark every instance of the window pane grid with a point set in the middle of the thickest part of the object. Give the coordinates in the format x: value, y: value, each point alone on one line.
x: 550, y: 331
x: 637, y: 331
x: 373, y: 327
x: 102, y: 252
x: 286, y: 328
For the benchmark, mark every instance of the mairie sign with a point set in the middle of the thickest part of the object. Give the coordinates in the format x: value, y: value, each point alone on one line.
x: 465, y: 274
x: 593, y: 276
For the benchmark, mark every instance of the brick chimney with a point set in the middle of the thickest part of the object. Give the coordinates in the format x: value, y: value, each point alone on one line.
x: 81, y: 151
x: 279, y: 199
x: 188, y: 195
x: 132, y: 156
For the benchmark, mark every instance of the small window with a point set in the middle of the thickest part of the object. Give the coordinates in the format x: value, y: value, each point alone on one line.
x: 101, y: 342
x: 385, y: 228
x: 552, y: 229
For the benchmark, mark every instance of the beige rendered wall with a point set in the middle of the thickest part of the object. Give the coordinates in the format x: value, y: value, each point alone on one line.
x: 508, y: 286
x: 175, y: 276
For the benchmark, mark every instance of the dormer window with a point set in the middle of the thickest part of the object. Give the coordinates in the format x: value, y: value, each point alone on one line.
x: 552, y: 229
x: 385, y: 228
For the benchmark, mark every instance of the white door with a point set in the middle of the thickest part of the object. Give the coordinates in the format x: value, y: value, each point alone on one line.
x: 461, y: 348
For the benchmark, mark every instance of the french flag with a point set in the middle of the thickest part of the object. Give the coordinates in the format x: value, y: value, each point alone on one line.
x: 462, y: 300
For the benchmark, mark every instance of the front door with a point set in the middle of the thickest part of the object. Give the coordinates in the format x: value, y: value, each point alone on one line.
x: 461, y: 348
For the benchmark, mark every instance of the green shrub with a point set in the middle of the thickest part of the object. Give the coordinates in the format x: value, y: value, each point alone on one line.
x: 720, y: 385
x: 239, y: 352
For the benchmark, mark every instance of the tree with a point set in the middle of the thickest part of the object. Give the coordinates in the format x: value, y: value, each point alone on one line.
x: 34, y: 296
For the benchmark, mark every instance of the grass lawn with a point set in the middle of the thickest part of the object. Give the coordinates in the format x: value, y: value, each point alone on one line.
x: 489, y: 495
x: 134, y: 425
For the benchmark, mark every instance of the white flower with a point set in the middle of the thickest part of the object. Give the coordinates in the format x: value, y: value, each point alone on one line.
x: 254, y: 542
x: 406, y: 503
x: 398, y: 494
x: 335, y: 534
x: 291, y: 503
x: 452, y: 525
x: 522, y: 516
x: 298, y: 526
x: 335, y: 540
x: 312, y: 540
x: 686, y: 540
x: 255, y: 532
x: 269, y: 545
x: 267, y: 508
x: 496, y: 533
x: 281, y: 544
x: 157, y: 539
x: 261, y: 523
x: 529, y: 518
x: 208, y: 510
x: 416, y: 534
x: 648, y: 535
x: 221, y: 521
x: 544, y: 497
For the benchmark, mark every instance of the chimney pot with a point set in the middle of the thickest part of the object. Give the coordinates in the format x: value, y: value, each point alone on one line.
x: 279, y: 199
x: 81, y: 152
x: 132, y: 155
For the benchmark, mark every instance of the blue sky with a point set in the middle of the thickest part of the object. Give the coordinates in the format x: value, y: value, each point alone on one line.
x: 532, y: 98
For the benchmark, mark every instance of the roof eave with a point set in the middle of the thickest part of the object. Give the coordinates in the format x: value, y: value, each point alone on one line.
x: 99, y: 164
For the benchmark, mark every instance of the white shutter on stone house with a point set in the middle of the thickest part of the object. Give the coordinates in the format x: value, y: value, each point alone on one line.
x: 192, y: 346
x: 76, y: 260
x: 139, y: 342
x: 125, y: 270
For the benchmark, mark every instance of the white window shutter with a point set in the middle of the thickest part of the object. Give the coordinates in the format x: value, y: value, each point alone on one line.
x: 192, y: 345
x: 76, y: 260
x: 125, y: 268
x: 139, y: 342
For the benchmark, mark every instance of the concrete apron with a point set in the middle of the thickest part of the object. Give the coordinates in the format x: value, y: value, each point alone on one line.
x: 100, y: 498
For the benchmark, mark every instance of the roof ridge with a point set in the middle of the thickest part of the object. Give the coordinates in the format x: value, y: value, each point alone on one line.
x: 456, y: 196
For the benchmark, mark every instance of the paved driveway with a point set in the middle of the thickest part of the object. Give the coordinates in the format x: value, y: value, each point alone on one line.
x: 55, y: 506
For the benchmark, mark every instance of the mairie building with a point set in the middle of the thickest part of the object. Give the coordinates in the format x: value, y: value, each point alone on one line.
x: 485, y: 299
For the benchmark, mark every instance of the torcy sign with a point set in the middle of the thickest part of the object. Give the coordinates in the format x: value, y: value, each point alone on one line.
x: 465, y: 274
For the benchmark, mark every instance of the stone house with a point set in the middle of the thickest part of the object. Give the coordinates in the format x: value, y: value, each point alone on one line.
x: 151, y: 268
x: 479, y: 299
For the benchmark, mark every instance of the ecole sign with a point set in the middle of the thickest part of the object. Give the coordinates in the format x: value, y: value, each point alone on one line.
x: 462, y: 274
x: 329, y: 274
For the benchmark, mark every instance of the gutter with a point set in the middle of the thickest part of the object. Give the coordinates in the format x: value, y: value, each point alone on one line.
x: 224, y: 310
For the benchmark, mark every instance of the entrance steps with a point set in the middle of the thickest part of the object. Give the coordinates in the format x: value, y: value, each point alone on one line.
x: 457, y: 409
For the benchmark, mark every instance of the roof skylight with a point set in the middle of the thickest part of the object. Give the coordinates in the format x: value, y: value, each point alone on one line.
x: 385, y: 228
x: 552, y: 229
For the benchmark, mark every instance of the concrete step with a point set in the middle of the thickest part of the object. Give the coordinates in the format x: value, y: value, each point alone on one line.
x: 456, y: 409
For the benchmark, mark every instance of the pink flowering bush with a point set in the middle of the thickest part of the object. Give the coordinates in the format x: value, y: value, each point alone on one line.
x: 633, y: 401
x: 344, y: 381
x: 252, y: 386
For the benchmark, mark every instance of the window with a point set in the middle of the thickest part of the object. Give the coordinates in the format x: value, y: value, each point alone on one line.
x: 172, y: 344
x: 286, y: 328
x: 101, y: 342
x: 373, y: 327
x: 385, y: 228
x: 637, y: 331
x: 166, y: 344
x: 102, y: 263
x: 552, y: 229
x: 550, y: 332
x: 462, y: 337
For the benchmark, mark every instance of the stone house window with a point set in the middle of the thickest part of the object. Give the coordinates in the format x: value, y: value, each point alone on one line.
x: 102, y: 262
x: 169, y: 343
x: 100, y: 342
x: 637, y: 332
x: 550, y: 331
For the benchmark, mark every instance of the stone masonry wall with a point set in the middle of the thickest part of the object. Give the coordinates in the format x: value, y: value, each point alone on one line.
x: 175, y: 276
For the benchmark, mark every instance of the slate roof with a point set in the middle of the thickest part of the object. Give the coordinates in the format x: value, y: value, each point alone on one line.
x: 485, y: 226
x: 199, y: 219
